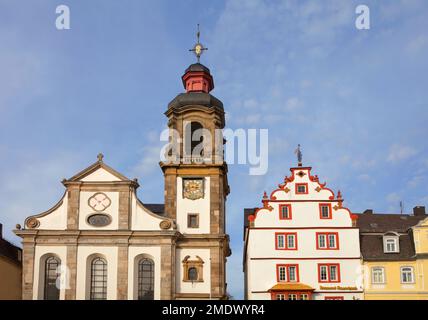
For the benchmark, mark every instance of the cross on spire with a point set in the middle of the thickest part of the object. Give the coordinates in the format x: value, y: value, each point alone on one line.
x: 198, y: 48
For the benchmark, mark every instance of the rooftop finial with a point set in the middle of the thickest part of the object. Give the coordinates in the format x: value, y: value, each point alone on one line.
x: 298, y: 152
x: 100, y: 157
x: 198, y: 48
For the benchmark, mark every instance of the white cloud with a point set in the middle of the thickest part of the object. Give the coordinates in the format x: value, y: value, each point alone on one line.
x: 365, y: 177
x: 293, y: 104
x: 398, y: 153
x: 394, y: 197
x: 417, y: 44
x: 149, y: 162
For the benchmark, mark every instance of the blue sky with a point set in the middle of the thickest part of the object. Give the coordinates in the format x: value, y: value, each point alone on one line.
x: 357, y: 101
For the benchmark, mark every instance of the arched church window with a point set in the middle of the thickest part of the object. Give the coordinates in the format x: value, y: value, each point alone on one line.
x: 51, y: 290
x: 98, y: 279
x: 146, y: 279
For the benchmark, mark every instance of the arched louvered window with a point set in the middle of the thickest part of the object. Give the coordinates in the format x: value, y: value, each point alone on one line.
x: 98, y: 279
x: 52, y: 265
x: 146, y: 279
x: 194, y: 133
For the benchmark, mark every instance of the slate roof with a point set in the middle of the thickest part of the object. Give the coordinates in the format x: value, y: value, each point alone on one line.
x: 373, y: 226
x: 195, y: 99
x: 380, y: 222
x: 197, y: 67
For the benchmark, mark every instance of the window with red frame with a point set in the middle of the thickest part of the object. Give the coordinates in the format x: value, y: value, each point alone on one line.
x: 301, y: 188
x: 285, y: 212
x: 286, y: 241
x: 291, y: 296
x: 287, y: 273
x: 325, y: 210
x: 328, y: 273
x: 327, y: 241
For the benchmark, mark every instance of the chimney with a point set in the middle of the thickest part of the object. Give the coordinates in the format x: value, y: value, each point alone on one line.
x: 419, y: 211
x: 368, y: 211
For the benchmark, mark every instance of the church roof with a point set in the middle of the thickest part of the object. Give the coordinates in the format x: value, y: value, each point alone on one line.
x: 197, y: 67
x: 195, y: 98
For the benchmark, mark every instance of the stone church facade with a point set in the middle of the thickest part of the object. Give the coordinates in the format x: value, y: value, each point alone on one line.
x: 101, y: 242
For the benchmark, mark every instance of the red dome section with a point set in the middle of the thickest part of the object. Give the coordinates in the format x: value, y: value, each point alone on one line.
x: 197, y: 78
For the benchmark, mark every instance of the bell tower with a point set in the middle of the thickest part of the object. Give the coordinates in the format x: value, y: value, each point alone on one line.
x: 196, y: 183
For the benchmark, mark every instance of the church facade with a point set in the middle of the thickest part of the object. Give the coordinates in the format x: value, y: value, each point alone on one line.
x: 101, y: 242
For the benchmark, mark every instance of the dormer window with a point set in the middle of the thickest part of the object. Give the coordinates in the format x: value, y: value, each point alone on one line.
x: 391, y: 244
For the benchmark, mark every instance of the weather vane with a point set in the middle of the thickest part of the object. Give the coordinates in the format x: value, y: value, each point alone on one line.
x: 299, y: 155
x: 198, y: 48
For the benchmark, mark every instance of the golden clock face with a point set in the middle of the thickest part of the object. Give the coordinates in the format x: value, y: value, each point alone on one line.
x: 99, y: 201
x: 193, y: 188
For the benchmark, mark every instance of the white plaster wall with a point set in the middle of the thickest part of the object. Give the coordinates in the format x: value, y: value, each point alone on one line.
x: 304, y: 214
x: 85, y: 211
x: 57, y: 219
x: 186, y: 206
x: 153, y: 253
x: 41, y: 252
x: 100, y: 175
x: 143, y: 219
x: 262, y: 244
x: 308, y: 274
x: 83, y: 270
x: 259, y: 296
x: 195, y: 287
x: 345, y: 295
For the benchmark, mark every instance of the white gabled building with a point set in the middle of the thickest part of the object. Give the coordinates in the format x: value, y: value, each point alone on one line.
x: 302, y: 243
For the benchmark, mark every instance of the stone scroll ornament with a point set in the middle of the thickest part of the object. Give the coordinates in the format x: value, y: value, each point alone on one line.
x: 193, y: 189
x: 165, y: 224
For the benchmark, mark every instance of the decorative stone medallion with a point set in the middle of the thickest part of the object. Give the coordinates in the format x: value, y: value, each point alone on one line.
x: 99, y: 220
x: 165, y: 224
x: 99, y: 201
x: 193, y: 189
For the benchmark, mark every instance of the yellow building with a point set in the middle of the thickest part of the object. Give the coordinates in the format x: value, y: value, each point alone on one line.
x: 10, y: 270
x: 394, y: 250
